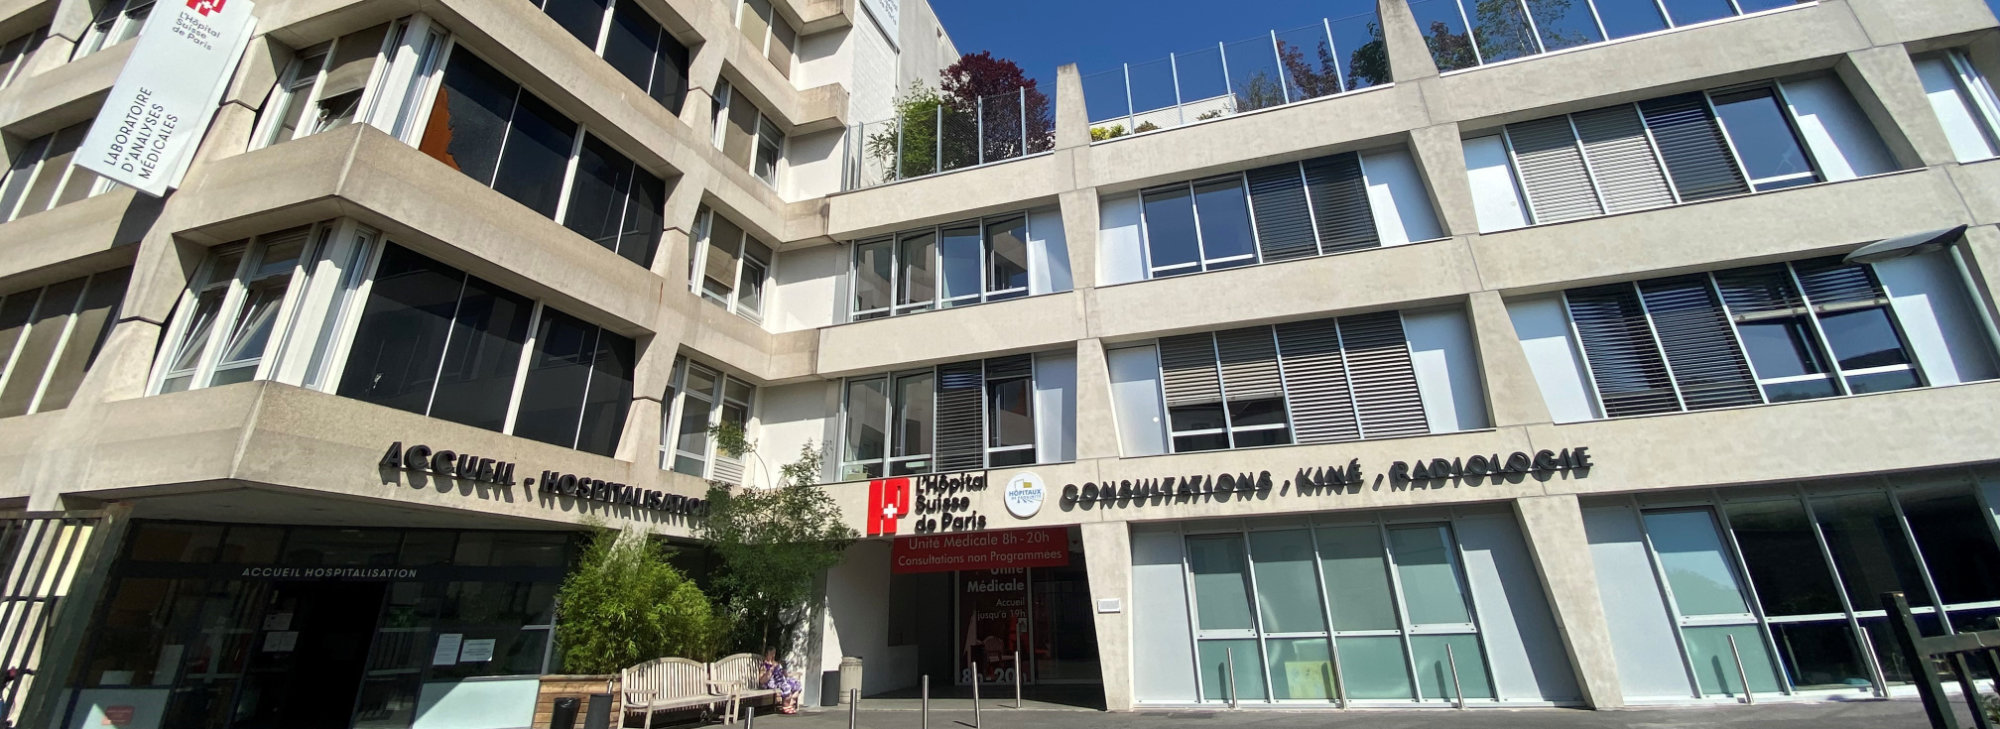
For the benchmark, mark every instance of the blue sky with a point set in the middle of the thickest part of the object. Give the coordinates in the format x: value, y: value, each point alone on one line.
x: 1043, y: 34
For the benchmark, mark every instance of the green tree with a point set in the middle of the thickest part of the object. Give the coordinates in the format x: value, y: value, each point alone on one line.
x: 1369, y: 64
x: 774, y: 543
x: 1260, y: 91
x: 623, y: 605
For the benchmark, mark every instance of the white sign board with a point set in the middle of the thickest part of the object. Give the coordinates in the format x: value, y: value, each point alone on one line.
x: 145, y: 134
x: 478, y: 650
x: 447, y: 649
x: 1024, y: 494
x: 887, y: 13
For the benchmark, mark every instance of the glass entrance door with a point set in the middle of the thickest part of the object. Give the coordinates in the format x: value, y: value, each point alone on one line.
x: 993, y: 610
x: 306, y: 667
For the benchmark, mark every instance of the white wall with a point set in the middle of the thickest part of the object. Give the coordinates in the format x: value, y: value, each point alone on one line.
x: 789, y: 416
x: 1956, y: 112
x: 806, y: 284
x: 926, y: 48
x: 1839, y: 135
x: 1938, y: 318
x: 1492, y: 176
x: 812, y: 165
x: 1121, y: 250
x: 1136, y: 401
x: 1447, y: 368
x: 1055, y: 407
x: 856, y: 622
x: 1543, y: 326
x: 1048, y: 252
x: 1162, y: 659
x: 1642, y: 633
x: 873, y: 84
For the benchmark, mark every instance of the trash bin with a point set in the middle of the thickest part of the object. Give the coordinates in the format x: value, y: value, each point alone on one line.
x: 599, y: 716
x: 850, y: 676
x: 829, y: 688
x: 563, y: 716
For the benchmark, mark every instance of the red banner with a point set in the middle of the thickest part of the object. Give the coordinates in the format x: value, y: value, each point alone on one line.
x: 1048, y: 547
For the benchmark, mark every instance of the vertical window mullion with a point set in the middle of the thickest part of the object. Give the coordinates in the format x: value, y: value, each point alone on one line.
x: 604, y: 29
x: 1736, y: 335
x: 1221, y: 387
x: 1346, y: 373
x: 589, y: 373
x: 295, y: 290
x: 1742, y: 567
x: 1590, y: 173
x: 1660, y: 347
x: 1514, y: 171
x: 307, y: 117
x: 444, y: 352
x: 34, y: 171
x: 62, y: 342
x: 1917, y: 554
x: 1200, y: 247
x: 527, y: 358
x: 1653, y: 146
x: 225, y: 314
x: 569, y: 176
x: 1583, y: 350
x: 736, y: 277
x: 506, y: 133
x: 9, y: 366
x: 171, y: 342
x: 1855, y: 631
x: 1250, y: 209
x: 364, y: 286
x: 1977, y: 89
x: 1728, y: 141
x: 1403, y: 625
x: 1673, y: 604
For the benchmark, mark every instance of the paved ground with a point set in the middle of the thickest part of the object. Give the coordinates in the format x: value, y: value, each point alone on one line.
x: 1897, y: 714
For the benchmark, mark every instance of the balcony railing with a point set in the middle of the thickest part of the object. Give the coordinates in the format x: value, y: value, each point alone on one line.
x: 1332, y: 56
x: 1503, y: 30
x: 939, y: 133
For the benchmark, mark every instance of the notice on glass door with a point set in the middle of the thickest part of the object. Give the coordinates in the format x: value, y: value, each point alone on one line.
x: 447, y: 650
x: 477, y: 651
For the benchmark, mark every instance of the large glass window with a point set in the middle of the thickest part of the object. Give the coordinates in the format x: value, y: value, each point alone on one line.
x: 487, y: 126
x: 767, y: 31
x: 50, y: 336
x: 1795, y: 574
x: 964, y: 416
x: 1508, y: 29
x: 1764, y: 138
x: 1391, y: 597
x: 631, y: 40
x: 746, y: 135
x: 578, y: 385
x: 1770, y: 333
x: 14, y: 54
x: 733, y: 265
x: 43, y: 174
x: 322, y: 88
x: 958, y: 264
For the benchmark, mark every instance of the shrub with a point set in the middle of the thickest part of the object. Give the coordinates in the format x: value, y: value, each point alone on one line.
x: 623, y: 605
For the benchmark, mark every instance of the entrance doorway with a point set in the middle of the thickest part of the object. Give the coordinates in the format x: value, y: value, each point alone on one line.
x: 312, y: 651
x: 1039, y: 616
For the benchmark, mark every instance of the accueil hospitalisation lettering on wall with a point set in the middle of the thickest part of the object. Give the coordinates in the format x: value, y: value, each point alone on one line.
x: 145, y: 134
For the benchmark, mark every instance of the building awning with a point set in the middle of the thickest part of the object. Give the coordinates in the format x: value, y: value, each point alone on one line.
x: 1905, y: 245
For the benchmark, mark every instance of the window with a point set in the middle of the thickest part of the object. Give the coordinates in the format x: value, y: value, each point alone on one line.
x: 1388, y: 599
x: 1964, y: 103
x: 1672, y: 150
x: 117, y: 21
x: 50, y: 336
x: 1512, y: 29
x: 1344, y: 202
x: 971, y: 262
x: 43, y: 175
x: 1771, y: 333
x: 733, y: 265
x: 701, y: 398
x: 745, y: 134
x: 300, y: 307
x: 629, y: 39
x: 1795, y: 575
x: 232, y: 309
x: 768, y: 33
x: 964, y: 416
x: 499, y: 134
x: 1322, y: 381
x: 15, y: 54
x: 330, y: 80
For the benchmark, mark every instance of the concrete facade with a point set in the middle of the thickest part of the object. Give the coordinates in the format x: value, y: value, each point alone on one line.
x: 269, y: 452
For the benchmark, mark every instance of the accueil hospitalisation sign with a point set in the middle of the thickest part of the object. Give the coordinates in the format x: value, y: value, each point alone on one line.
x: 147, y: 131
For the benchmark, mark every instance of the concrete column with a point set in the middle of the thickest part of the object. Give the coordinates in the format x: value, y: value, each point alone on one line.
x: 123, y: 365
x: 639, y: 443
x: 1072, y: 117
x: 1553, y: 526
x: 1108, y: 547
x: 1884, y: 82
x: 72, y: 19
x: 1409, y: 56
x: 1515, y: 397
x: 704, y: 73
x: 1080, y: 223
x: 1096, y: 424
x: 1440, y: 153
x: 55, y: 51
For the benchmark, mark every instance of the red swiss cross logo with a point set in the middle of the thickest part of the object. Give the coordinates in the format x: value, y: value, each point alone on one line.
x: 206, y: 6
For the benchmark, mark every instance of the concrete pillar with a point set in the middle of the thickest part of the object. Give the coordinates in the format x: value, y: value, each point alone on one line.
x: 704, y: 75
x: 1080, y: 223
x: 54, y: 51
x: 1884, y: 82
x: 1440, y: 153
x: 1108, y: 547
x: 1096, y: 424
x: 1409, y: 56
x: 72, y: 19
x: 650, y: 377
x: 1072, y: 117
x: 1515, y: 397
x: 1553, y: 526
x: 123, y: 365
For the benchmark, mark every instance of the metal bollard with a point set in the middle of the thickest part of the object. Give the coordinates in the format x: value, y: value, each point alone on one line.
x: 1456, y: 692
x: 975, y: 696
x: 853, y: 706
x: 1017, y: 679
x: 749, y: 717
x: 1229, y: 668
x: 1875, y: 679
x: 1741, y: 675
x: 926, y: 712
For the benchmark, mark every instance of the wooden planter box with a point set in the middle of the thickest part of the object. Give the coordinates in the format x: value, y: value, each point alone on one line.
x: 580, y: 687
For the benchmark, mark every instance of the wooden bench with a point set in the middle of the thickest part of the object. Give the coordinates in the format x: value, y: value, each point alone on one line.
x: 736, y: 677
x: 664, y: 684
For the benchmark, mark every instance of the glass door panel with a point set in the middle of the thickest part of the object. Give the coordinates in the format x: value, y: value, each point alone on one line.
x: 1287, y: 590
x: 1301, y: 668
x: 1218, y: 657
x: 1374, y: 667
x: 1434, y: 666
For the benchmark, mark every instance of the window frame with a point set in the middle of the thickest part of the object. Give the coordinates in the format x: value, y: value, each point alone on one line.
x: 293, y: 80
x: 235, y: 285
x: 17, y: 209
x: 104, y: 32
x: 1776, y: 93
x: 717, y: 398
x: 770, y: 34
x: 892, y: 417
x: 30, y: 42
x: 772, y: 139
x: 10, y: 365
x: 745, y: 261
x: 1202, y: 263
x: 938, y: 301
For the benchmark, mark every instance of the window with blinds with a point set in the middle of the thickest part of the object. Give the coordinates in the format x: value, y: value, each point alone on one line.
x: 1746, y: 336
x: 1320, y: 381
x: 969, y: 262
x: 729, y: 266
x: 700, y: 398
x: 962, y: 416
x: 50, y: 336
x: 1678, y: 149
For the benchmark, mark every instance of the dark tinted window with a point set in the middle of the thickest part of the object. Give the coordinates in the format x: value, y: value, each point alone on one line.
x: 634, y: 44
x: 645, y: 217
x: 580, y: 17
x: 596, y: 199
x: 609, y: 395
x: 558, y: 372
x: 537, y: 155
x: 477, y: 378
x: 469, y: 120
x: 1169, y: 219
x: 402, y: 331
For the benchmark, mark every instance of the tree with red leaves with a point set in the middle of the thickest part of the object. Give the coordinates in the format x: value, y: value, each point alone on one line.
x: 1008, y: 93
